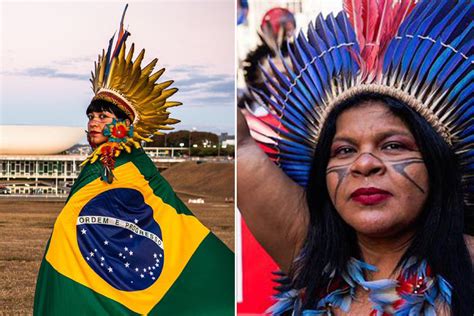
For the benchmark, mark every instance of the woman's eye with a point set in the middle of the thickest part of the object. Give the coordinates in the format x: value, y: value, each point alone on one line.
x: 102, y: 116
x: 90, y: 117
x: 343, y: 151
x: 393, y: 146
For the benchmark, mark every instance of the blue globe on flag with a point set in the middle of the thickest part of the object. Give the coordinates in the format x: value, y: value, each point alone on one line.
x: 120, y: 240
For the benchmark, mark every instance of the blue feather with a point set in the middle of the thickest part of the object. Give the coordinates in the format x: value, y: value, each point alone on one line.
x: 344, y: 54
x: 306, y: 74
x: 414, y: 43
x: 329, y: 38
x: 456, y: 62
x: 282, y: 79
x: 315, y: 42
x: 286, y: 301
x: 414, y: 21
x: 460, y: 72
x: 350, y: 36
x: 463, y: 89
x: 107, y: 59
x: 435, y: 30
x: 316, y: 89
x: 322, y: 48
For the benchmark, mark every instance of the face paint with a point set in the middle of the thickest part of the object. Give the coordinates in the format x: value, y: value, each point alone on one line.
x: 398, y: 165
x: 341, y: 172
x: 376, y: 177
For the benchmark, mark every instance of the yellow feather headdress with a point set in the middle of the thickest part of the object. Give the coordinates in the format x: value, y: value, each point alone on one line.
x: 135, y: 90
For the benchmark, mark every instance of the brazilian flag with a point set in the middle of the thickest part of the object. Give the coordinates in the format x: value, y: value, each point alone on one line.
x: 132, y: 247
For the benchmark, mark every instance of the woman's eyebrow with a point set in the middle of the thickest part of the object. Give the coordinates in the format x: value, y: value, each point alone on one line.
x: 395, y: 132
x: 381, y: 136
x: 345, y: 139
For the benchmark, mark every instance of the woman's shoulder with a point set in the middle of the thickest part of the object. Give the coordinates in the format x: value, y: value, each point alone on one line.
x: 470, y: 245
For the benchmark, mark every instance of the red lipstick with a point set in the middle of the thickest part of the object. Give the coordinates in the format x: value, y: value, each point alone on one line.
x: 370, y: 196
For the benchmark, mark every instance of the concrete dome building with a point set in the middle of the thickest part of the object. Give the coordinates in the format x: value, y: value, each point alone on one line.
x: 38, y: 140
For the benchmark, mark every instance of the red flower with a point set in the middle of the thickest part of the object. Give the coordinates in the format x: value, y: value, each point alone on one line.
x: 119, y: 131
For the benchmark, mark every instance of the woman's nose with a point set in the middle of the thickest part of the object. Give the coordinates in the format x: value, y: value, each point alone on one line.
x: 93, y: 122
x: 367, y: 164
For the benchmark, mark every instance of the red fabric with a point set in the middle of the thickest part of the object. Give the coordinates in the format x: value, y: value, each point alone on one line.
x: 257, y: 276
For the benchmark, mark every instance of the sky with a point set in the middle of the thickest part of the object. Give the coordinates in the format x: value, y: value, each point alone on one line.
x: 47, y: 51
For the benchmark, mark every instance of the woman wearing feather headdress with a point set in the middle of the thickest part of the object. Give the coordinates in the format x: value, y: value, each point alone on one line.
x: 373, y: 212
x: 124, y: 244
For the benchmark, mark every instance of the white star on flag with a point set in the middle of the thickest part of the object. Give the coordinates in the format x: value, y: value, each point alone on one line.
x: 136, y: 220
x: 131, y: 253
x: 83, y: 231
x: 110, y: 269
x: 92, y: 254
x: 102, y: 258
x: 136, y: 269
x: 125, y: 248
x: 142, y: 276
x: 106, y: 242
x: 154, y: 255
x: 127, y: 264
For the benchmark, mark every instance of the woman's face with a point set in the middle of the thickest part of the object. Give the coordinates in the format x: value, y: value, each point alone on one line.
x: 376, y: 177
x: 96, y: 125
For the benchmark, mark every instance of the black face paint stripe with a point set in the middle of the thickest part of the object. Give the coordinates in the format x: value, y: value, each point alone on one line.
x: 342, y: 172
x: 398, y: 165
x: 400, y: 168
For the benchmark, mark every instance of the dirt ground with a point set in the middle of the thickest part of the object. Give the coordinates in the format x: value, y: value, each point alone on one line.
x: 25, y: 227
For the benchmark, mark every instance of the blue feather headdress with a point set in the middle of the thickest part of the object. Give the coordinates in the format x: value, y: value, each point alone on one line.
x: 417, y: 52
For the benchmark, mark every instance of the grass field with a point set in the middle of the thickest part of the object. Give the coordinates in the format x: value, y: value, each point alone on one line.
x: 25, y: 227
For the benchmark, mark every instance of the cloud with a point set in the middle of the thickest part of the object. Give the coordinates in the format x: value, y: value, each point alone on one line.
x: 205, y: 88
x: 198, y: 85
x: 51, y: 73
x: 88, y: 60
x: 76, y: 68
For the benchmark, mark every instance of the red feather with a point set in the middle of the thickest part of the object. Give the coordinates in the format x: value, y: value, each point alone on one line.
x: 121, y: 32
x: 370, y: 17
x: 354, y: 11
x: 376, y: 23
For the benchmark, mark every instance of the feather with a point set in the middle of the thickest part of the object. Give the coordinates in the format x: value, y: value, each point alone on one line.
x: 286, y: 301
x: 107, y: 60
x: 329, y: 38
x: 445, y: 289
x: 353, y: 9
x: 303, y: 49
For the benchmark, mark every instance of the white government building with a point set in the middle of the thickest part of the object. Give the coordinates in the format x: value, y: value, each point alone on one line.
x: 31, y: 163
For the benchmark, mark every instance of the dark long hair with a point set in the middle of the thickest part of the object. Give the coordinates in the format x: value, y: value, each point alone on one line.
x: 330, y: 242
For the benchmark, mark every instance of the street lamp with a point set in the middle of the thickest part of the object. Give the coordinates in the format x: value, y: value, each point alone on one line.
x: 189, y: 140
x: 181, y: 145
